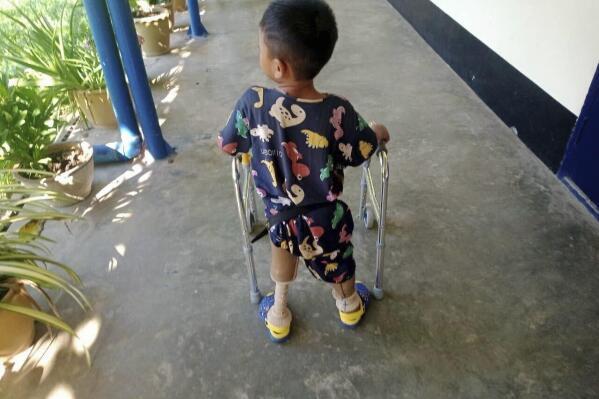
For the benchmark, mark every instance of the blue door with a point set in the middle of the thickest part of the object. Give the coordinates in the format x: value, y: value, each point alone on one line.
x: 580, y: 167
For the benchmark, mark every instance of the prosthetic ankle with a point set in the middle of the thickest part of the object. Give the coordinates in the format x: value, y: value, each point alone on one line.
x: 347, y: 304
x: 280, y: 315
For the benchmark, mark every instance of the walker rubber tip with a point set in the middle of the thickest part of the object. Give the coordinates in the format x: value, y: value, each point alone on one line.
x: 255, y: 297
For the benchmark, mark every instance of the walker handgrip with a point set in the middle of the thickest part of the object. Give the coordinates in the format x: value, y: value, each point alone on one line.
x: 245, y: 158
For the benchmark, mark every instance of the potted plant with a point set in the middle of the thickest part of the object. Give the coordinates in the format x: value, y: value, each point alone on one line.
x: 29, y: 125
x: 180, y: 5
x: 167, y: 5
x: 153, y: 27
x: 24, y: 263
x: 58, y: 52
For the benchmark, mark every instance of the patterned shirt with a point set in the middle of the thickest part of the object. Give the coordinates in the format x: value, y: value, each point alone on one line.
x: 299, y: 147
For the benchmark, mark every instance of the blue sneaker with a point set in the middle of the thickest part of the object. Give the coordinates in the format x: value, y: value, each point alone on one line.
x: 352, y: 319
x: 276, y: 334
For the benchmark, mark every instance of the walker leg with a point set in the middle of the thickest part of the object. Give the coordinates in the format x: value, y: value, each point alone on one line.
x: 363, y: 188
x: 255, y: 296
x: 380, y: 242
x: 252, y: 201
x: 247, y: 245
x: 247, y: 196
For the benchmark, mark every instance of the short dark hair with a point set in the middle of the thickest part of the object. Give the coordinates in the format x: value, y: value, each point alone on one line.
x: 300, y: 32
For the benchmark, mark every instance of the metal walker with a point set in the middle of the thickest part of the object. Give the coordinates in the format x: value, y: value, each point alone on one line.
x: 370, y: 213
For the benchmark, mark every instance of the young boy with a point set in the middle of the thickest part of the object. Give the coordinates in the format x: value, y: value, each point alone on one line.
x: 301, y: 139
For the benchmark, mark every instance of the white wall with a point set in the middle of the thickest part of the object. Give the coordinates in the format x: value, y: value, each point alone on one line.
x: 555, y: 43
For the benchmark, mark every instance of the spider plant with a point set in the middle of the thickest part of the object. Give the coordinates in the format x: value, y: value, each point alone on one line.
x: 24, y: 259
x: 28, y: 124
x: 60, y: 52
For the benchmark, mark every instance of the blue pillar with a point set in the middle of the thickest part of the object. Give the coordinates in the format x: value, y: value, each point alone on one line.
x: 126, y: 37
x: 197, y: 28
x: 130, y: 146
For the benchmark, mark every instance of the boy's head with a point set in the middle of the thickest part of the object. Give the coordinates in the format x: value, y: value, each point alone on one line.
x: 299, y: 35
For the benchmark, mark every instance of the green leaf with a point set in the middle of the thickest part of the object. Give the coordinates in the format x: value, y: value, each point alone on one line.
x: 39, y: 275
x: 44, y: 259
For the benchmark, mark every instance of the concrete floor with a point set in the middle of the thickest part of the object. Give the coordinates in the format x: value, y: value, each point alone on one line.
x: 491, y: 282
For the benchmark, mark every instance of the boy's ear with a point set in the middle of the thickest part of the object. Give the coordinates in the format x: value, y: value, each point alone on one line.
x: 280, y: 69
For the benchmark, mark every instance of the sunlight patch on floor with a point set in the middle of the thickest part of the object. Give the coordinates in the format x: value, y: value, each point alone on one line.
x: 87, y: 333
x: 61, y: 391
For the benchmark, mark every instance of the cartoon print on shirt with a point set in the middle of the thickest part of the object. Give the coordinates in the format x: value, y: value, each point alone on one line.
x: 296, y: 194
x: 348, y: 252
x: 339, y: 278
x: 299, y: 169
x: 309, y: 251
x: 263, y: 132
x: 325, y: 172
x: 281, y: 200
x: 271, y: 169
x: 344, y: 236
x: 336, y: 121
x: 315, y: 140
x: 285, y: 117
x: 242, y: 124
x: 293, y: 227
x: 261, y: 192
x: 337, y: 215
x: 332, y: 255
x: 365, y: 149
x: 346, y: 150
x: 316, y: 231
x: 331, y: 267
x: 260, y: 92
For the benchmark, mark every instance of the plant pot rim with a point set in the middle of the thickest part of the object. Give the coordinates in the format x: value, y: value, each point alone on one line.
x: 158, y: 13
x: 88, y: 157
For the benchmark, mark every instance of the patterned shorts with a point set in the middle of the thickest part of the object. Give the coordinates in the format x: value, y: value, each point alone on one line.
x: 322, y: 237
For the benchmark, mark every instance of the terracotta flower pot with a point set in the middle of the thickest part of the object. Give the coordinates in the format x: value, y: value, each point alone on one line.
x: 96, y: 107
x: 154, y: 32
x: 17, y: 331
x: 76, y: 183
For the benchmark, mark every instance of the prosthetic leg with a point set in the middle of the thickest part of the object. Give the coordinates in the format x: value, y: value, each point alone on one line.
x: 273, y: 307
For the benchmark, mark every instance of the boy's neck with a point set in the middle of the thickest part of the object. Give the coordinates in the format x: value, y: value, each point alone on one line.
x: 301, y: 89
